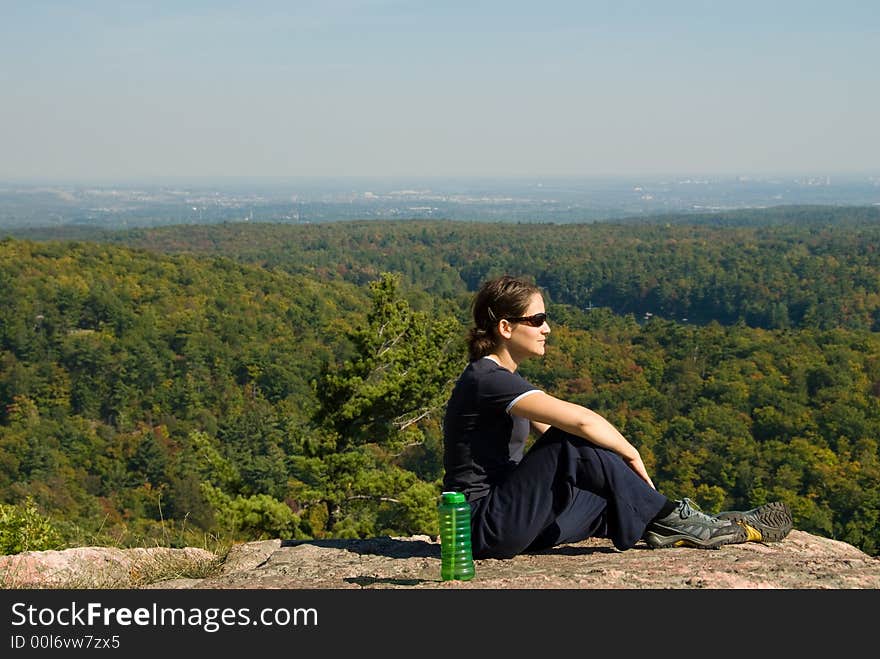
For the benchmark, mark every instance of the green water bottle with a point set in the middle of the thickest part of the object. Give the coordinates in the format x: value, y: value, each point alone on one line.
x: 456, y: 558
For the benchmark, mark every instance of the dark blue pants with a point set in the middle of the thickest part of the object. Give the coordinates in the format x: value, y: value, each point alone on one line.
x: 565, y: 489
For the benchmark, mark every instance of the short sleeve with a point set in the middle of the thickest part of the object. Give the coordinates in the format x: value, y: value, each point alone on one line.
x: 501, y: 389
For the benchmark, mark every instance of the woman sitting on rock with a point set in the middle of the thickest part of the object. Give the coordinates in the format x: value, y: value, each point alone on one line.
x: 581, y: 478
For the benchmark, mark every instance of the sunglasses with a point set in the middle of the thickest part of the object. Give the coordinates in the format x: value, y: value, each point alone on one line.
x: 535, y: 321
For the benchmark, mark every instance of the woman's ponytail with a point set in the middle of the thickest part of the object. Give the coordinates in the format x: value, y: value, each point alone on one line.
x: 480, y: 343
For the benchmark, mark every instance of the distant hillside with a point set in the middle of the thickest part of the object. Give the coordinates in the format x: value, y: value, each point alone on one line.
x: 785, y: 267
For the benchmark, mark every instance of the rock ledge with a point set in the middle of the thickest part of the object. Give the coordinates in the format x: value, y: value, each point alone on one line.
x: 800, y: 561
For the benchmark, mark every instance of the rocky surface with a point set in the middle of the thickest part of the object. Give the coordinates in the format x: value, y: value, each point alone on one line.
x: 101, y: 567
x: 801, y: 561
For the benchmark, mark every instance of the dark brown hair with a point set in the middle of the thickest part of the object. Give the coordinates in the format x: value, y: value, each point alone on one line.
x: 503, y: 297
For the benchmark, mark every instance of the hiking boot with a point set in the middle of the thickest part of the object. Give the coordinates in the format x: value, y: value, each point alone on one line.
x: 688, y: 526
x: 768, y: 523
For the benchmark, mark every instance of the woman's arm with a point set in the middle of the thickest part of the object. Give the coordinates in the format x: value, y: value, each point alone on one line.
x: 543, y: 409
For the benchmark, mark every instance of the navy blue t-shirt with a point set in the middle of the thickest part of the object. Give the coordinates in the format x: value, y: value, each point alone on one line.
x: 482, y: 440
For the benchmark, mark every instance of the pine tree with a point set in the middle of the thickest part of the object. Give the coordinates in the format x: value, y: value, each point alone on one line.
x: 372, y: 408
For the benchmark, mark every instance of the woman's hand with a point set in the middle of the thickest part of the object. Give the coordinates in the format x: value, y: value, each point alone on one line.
x: 635, y: 463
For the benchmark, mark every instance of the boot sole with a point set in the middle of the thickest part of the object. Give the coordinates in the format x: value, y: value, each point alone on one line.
x: 772, y: 521
x: 656, y: 541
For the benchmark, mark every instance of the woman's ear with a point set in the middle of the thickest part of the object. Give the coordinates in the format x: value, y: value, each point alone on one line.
x: 505, y: 328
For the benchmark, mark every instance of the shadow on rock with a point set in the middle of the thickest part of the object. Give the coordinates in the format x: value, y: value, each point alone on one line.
x: 381, y: 546
x: 574, y: 550
x: 366, y: 582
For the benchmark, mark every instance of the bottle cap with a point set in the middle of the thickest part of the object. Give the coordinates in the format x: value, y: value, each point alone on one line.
x: 453, y: 497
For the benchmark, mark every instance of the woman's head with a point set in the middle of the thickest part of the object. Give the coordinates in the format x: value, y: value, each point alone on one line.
x: 501, y: 298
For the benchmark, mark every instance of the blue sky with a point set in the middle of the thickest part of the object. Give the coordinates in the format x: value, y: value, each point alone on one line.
x: 127, y: 90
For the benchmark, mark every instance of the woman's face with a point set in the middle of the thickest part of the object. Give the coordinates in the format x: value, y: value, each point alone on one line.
x: 527, y: 341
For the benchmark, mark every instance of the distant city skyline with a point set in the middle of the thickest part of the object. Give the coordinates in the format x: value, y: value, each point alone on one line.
x: 126, y: 91
x: 290, y: 200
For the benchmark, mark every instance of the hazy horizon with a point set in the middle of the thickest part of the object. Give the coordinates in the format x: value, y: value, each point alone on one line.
x: 118, y: 92
x: 219, y: 181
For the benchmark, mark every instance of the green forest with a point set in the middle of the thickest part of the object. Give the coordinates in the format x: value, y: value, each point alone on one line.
x: 253, y: 380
